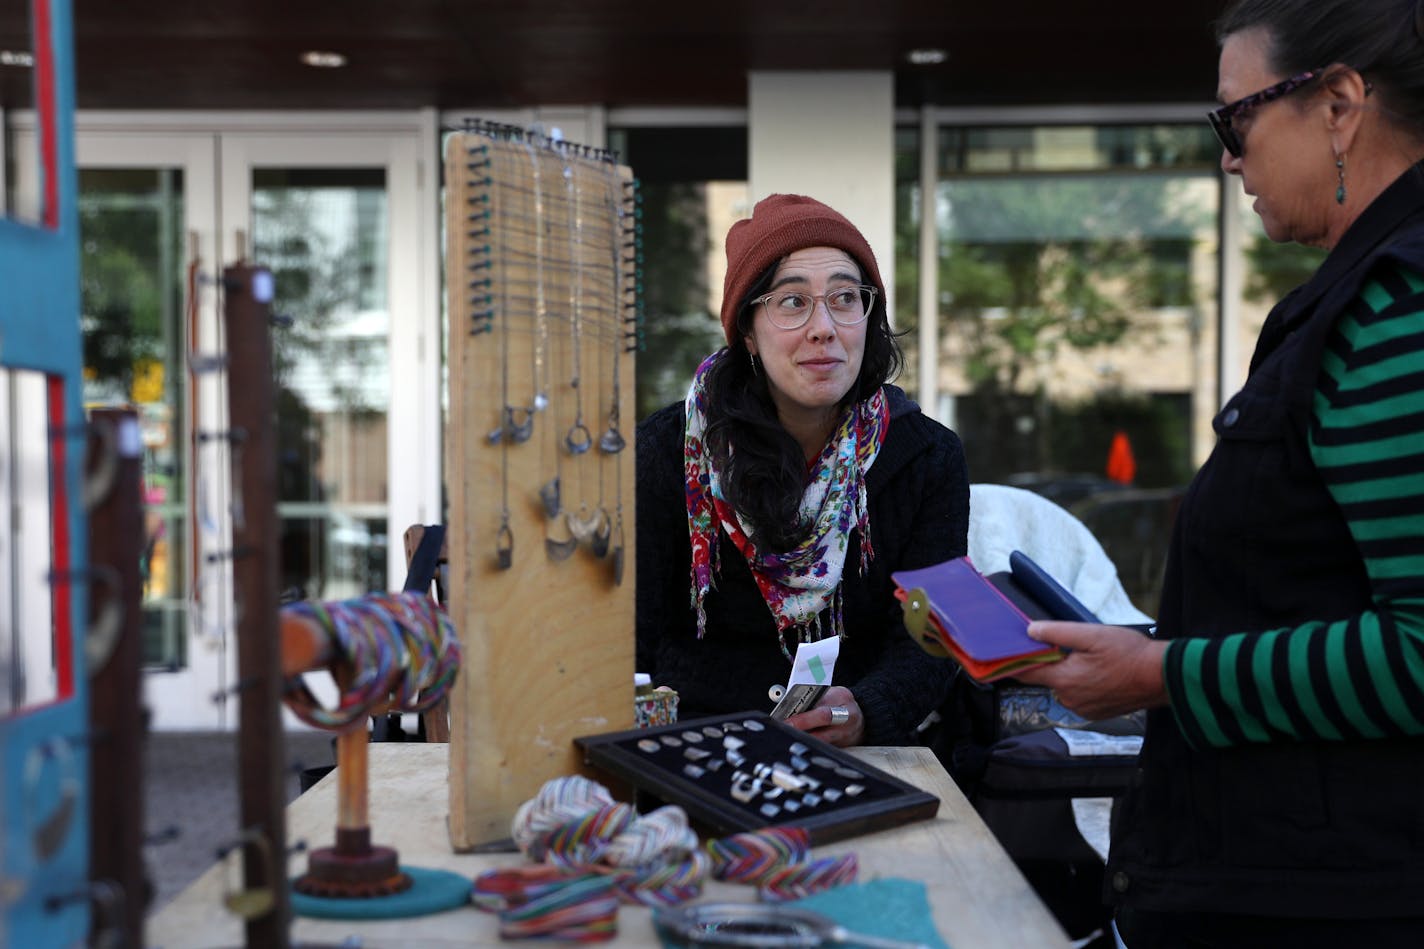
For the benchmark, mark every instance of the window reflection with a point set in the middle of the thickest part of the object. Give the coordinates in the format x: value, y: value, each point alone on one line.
x: 323, y: 233
x: 1077, y: 345
x: 131, y: 263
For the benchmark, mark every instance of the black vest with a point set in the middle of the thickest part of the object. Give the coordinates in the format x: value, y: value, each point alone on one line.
x: 1330, y: 829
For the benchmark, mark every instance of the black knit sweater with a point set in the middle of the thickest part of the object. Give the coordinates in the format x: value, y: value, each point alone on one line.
x: 918, y: 491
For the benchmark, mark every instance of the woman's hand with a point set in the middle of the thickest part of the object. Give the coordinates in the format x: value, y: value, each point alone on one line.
x: 1109, y: 670
x: 818, y: 721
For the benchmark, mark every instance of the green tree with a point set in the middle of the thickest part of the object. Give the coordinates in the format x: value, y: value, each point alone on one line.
x: 677, y: 330
x: 1031, y: 267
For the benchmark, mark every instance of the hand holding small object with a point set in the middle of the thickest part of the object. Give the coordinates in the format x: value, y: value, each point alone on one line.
x: 836, y: 719
x: 1109, y: 670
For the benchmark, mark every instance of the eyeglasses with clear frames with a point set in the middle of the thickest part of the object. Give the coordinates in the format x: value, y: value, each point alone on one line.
x: 1220, y: 119
x: 790, y: 309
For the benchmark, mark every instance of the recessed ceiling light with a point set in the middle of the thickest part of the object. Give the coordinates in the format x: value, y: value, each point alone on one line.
x: 16, y: 57
x: 323, y: 59
x: 926, y: 57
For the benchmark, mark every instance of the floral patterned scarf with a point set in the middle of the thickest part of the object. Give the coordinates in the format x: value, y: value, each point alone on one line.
x: 799, y: 584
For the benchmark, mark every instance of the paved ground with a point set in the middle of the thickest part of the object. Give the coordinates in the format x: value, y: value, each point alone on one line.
x: 191, y: 783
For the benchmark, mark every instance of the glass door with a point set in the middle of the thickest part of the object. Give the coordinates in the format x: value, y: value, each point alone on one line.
x: 323, y: 214
x: 147, y: 226
x: 341, y: 219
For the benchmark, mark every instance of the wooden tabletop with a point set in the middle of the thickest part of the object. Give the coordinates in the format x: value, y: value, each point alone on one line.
x: 978, y: 898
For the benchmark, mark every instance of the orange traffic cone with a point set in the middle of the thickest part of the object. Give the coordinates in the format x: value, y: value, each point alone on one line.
x: 1122, y: 467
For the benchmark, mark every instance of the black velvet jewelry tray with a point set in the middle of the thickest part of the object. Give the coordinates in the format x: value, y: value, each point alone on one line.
x: 662, y: 774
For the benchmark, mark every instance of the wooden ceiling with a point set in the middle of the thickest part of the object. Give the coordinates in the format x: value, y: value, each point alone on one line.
x: 501, y: 54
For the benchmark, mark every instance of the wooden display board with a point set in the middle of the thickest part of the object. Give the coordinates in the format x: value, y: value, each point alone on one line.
x: 541, y: 276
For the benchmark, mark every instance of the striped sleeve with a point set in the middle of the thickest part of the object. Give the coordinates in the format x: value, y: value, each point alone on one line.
x: 1361, y: 677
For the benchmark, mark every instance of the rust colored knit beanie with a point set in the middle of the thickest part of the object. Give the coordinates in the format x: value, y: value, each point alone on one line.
x: 782, y: 224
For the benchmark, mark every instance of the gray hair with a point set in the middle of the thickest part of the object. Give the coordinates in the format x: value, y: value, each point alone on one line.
x: 1383, y: 40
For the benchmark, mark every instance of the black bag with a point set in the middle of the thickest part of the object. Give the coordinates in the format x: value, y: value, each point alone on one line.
x: 1018, y: 771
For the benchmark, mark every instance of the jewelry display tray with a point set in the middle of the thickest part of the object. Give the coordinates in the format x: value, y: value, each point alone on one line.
x: 662, y: 774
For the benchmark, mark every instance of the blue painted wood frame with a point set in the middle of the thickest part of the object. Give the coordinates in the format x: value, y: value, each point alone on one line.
x: 44, y: 801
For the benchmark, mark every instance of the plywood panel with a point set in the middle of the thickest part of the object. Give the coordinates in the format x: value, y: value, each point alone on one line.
x: 540, y: 270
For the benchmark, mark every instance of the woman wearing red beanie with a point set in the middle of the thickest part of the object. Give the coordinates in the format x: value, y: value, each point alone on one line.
x: 774, y: 503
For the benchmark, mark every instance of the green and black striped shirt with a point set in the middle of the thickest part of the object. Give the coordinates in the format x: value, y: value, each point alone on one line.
x: 1362, y: 677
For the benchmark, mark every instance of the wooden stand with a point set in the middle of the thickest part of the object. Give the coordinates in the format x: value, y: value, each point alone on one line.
x: 116, y: 715
x: 353, y: 868
x: 542, y: 284
x: 261, y: 761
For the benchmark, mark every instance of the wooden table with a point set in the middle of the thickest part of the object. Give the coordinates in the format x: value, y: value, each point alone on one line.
x: 979, y: 899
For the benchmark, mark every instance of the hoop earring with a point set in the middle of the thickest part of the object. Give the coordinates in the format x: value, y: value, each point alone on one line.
x: 1340, y: 188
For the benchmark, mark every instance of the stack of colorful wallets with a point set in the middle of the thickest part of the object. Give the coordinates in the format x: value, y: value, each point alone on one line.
x: 953, y: 610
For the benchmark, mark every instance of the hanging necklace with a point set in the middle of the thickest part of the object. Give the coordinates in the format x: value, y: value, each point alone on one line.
x: 516, y: 423
x: 578, y: 440
x: 585, y: 526
x: 549, y: 490
x: 626, y: 239
x: 550, y: 494
x: 611, y: 441
x: 541, y: 315
x: 507, y: 433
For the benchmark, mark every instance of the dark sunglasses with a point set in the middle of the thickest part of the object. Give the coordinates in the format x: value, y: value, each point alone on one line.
x: 1220, y: 119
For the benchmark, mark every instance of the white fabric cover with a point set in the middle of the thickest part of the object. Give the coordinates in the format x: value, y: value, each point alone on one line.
x: 1003, y: 519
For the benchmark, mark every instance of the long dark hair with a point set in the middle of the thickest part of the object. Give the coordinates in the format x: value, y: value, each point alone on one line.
x: 1383, y: 40
x: 766, y: 477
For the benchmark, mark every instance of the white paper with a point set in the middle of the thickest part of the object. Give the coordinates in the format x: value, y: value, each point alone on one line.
x: 815, y: 662
x: 1083, y: 743
x: 1092, y: 815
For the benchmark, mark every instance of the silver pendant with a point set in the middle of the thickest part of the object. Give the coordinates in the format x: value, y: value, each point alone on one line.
x: 504, y: 547
x: 578, y: 440
x: 585, y: 527
x: 549, y: 496
x: 611, y: 442
x: 601, y: 536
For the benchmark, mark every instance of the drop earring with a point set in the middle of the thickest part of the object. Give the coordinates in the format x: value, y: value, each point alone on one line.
x: 1340, y: 170
x: 752, y: 356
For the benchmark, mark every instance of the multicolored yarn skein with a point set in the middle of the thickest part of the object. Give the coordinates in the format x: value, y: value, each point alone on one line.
x: 581, y: 836
x: 399, y: 648
x: 574, y: 822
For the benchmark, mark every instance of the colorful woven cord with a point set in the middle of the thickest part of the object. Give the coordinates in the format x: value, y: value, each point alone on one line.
x: 666, y: 885
x: 657, y: 859
x: 582, y: 909
x: 497, y: 890
x: 573, y: 824
x: 775, y: 861
x: 559, y: 801
x: 749, y: 857
x: 583, y: 842
x: 398, y: 652
x: 652, y: 838
x: 802, y: 879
